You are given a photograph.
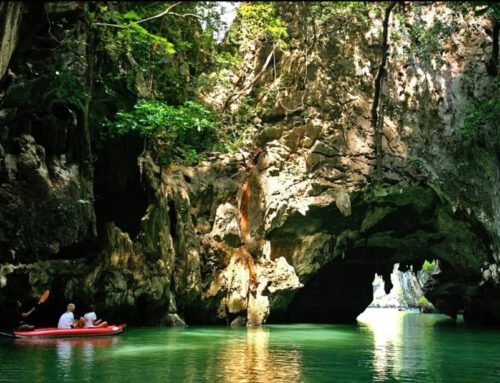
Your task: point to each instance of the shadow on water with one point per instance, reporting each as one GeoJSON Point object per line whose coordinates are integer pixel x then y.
{"type": "Point", "coordinates": [448, 323]}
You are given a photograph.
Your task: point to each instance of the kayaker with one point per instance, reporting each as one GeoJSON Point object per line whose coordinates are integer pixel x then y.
{"type": "Point", "coordinates": [67, 320]}
{"type": "Point", "coordinates": [90, 318]}
{"type": "Point", "coordinates": [22, 325]}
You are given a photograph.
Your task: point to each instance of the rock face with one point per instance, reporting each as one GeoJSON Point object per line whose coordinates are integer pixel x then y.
{"type": "Point", "coordinates": [10, 17]}
{"type": "Point", "coordinates": [407, 291]}
{"type": "Point", "coordinates": [46, 190]}
{"type": "Point", "coordinates": [294, 226]}
{"type": "Point", "coordinates": [340, 206]}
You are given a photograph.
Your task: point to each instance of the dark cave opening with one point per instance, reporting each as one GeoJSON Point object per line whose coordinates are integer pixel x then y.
{"type": "Point", "coordinates": [120, 195]}
{"type": "Point", "coordinates": [345, 288]}
{"type": "Point", "coordinates": [404, 228]}
{"type": "Point", "coordinates": [85, 249]}
{"type": "Point", "coordinates": [337, 294]}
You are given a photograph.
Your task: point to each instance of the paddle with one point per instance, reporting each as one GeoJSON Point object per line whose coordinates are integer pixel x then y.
{"type": "Point", "coordinates": [42, 299]}
{"type": "Point", "coordinates": [44, 296]}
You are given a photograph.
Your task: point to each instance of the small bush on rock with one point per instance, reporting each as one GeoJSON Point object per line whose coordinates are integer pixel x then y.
{"type": "Point", "coordinates": [170, 131]}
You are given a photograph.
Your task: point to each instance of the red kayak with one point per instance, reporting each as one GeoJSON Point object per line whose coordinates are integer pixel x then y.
{"type": "Point", "coordinates": [52, 332]}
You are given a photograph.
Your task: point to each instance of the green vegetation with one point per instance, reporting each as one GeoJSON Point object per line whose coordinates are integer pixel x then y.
{"type": "Point", "coordinates": [184, 131]}
{"type": "Point", "coordinates": [427, 42]}
{"type": "Point", "coordinates": [422, 301]}
{"type": "Point", "coordinates": [149, 58]}
{"type": "Point", "coordinates": [258, 21]}
{"type": "Point", "coordinates": [334, 15]}
{"type": "Point", "coordinates": [481, 117]}
{"type": "Point", "coordinates": [68, 89]}
{"type": "Point", "coordinates": [150, 54]}
{"type": "Point", "coordinates": [429, 266]}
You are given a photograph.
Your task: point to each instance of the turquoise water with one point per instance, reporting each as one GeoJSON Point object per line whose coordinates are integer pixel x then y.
{"type": "Point", "coordinates": [386, 345]}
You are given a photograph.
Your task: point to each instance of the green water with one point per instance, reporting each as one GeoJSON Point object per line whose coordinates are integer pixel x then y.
{"type": "Point", "coordinates": [386, 345]}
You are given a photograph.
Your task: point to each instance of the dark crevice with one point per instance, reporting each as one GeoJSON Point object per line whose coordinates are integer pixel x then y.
{"type": "Point", "coordinates": [57, 132]}
{"type": "Point", "coordinates": [120, 196]}
{"type": "Point", "coordinates": [376, 111]}
{"type": "Point", "coordinates": [492, 65]}
{"type": "Point", "coordinates": [172, 215]}
{"type": "Point", "coordinates": [83, 249]}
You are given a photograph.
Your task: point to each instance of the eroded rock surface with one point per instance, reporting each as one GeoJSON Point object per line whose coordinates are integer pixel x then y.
{"type": "Point", "coordinates": [294, 225]}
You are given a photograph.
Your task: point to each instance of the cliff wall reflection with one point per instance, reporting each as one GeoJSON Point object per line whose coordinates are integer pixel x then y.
{"type": "Point", "coordinates": [386, 345]}
{"type": "Point", "coordinates": [254, 360]}
{"type": "Point", "coordinates": [403, 344]}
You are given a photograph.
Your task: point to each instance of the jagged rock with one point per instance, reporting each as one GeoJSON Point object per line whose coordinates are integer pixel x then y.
{"type": "Point", "coordinates": [269, 133]}
{"type": "Point", "coordinates": [4, 270]}
{"type": "Point", "coordinates": [292, 138]}
{"type": "Point", "coordinates": [343, 202]}
{"type": "Point", "coordinates": [258, 310]}
{"type": "Point", "coordinates": [174, 320]}
{"type": "Point", "coordinates": [407, 290]}
{"type": "Point", "coordinates": [280, 276]}
{"type": "Point", "coordinates": [226, 225]}
{"type": "Point", "coordinates": [239, 321]}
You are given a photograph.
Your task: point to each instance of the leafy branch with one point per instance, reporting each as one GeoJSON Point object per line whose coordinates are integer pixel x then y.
{"type": "Point", "coordinates": [165, 12]}
{"type": "Point", "coordinates": [184, 131]}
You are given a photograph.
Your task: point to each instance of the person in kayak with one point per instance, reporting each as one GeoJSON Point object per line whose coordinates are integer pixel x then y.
{"type": "Point", "coordinates": [22, 325]}
{"type": "Point", "coordinates": [90, 319]}
{"type": "Point", "coordinates": [67, 320]}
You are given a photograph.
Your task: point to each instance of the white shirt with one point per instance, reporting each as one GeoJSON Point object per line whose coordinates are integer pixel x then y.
{"type": "Point", "coordinates": [89, 319]}
{"type": "Point", "coordinates": [66, 320]}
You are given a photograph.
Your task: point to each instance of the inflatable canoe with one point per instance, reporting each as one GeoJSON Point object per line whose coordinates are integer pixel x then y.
{"type": "Point", "coordinates": [52, 332]}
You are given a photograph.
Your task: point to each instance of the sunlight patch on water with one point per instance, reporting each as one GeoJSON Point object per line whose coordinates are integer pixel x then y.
{"type": "Point", "coordinates": [387, 328]}
{"type": "Point", "coordinates": [151, 349]}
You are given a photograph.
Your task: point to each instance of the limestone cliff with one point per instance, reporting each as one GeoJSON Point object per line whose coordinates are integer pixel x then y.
{"type": "Point", "coordinates": [347, 195]}
{"type": "Point", "coordinates": [357, 154]}
{"type": "Point", "coordinates": [46, 173]}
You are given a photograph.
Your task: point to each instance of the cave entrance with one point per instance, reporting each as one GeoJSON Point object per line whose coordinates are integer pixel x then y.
{"type": "Point", "coordinates": [120, 195]}
{"type": "Point", "coordinates": [337, 294]}
{"type": "Point", "coordinates": [343, 289]}
{"type": "Point", "coordinates": [405, 226]}
{"type": "Point", "coordinates": [407, 290]}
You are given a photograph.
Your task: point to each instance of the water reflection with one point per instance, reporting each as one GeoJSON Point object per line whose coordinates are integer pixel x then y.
{"type": "Point", "coordinates": [64, 353]}
{"type": "Point", "coordinates": [386, 346]}
{"type": "Point", "coordinates": [253, 360]}
{"type": "Point", "coordinates": [400, 344]}
{"type": "Point", "coordinates": [67, 351]}
{"type": "Point", "coordinates": [387, 340]}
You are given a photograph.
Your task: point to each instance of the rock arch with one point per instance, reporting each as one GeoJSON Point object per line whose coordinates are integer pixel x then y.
{"type": "Point", "coordinates": [336, 256]}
